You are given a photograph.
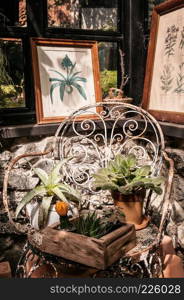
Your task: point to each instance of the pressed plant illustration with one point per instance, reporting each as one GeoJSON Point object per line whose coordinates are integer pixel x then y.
{"type": "Point", "coordinates": [69, 81]}
{"type": "Point", "coordinates": [170, 40]}
{"type": "Point", "coordinates": [181, 45]}
{"type": "Point", "coordinates": [180, 80]}
{"type": "Point", "coordinates": [166, 78]}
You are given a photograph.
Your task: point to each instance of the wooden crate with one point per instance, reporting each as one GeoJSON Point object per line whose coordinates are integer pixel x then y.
{"type": "Point", "coordinates": [97, 253]}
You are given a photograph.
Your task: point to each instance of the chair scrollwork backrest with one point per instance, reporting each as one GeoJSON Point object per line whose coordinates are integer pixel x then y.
{"type": "Point", "coordinates": [105, 130]}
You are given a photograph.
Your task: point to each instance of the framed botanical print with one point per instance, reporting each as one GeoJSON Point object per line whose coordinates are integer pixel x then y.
{"type": "Point", "coordinates": [66, 77]}
{"type": "Point", "coordinates": [163, 93]}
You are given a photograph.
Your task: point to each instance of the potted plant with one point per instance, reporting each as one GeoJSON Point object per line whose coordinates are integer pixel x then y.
{"type": "Point", "coordinates": [45, 195]}
{"type": "Point", "coordinates": [128, 183]}
{"type": "Point", "coordinates": [89, 239]}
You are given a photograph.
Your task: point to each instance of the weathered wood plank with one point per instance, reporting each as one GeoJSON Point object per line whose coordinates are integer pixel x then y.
{"type": "Point", "coordinates": [82, 249]}
{"type": "Point", "coordinates": [121, 252]}
{"type": "Point", "coordinates": [118, 247]}
{"type": "Point", "coordinates": [117, 244]}
{"type": "Point", "coordinates": [75, 247]}
{"type": "Point", "coordinates": [110, 237]}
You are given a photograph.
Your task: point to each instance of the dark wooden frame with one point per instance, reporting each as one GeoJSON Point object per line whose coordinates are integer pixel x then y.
{"type": "Point", "coordinates": [158, 12]}
{"type": "Point", "coordinates": [92, 45]}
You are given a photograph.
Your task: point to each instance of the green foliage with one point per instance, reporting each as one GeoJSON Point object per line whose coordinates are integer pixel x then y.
{"type": "Point", "coordinates": [11, 75]}
{"type": "Point", "coordinates": [10, 97]}
{"type": "Point", "coordinates": [4, 75]}
{"type": "Point", "coordinates": [68, 82]}
{"type": "Point", "coordinates": [123, 175]}
{"type": "Point", "coordinates": [92, 225]}
{"type": "Point", "coordinates": [50, 186]}
{"type": "Point", "coordinates": [108, 79]}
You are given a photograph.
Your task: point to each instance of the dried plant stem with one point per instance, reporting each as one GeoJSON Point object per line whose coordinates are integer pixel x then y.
{"type": "Point", "coordinates": [124, 78]}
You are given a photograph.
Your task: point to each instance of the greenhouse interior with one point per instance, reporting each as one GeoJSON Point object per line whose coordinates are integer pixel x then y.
{"type": "Point", "coordinates": [94, 188]}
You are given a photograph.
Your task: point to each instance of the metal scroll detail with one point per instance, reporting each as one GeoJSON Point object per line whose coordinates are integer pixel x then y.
{"type": "Point", "coordinates": [94, 134]}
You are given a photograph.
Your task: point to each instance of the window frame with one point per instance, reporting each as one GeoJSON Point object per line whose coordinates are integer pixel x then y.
{"type": "Point", "coordinates": [127, 34]}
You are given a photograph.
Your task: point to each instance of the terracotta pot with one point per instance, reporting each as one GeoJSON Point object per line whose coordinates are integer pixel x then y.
{"type": "Point", "coordinates": [132, 207]}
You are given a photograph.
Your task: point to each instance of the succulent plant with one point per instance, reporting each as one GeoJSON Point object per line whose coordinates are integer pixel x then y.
{"type": "Point", "coordinates": [49, 188]}
{"type": "Point", "coordinates": [93, 226]}
{"type": "Point", "coordinates": [122, 174]}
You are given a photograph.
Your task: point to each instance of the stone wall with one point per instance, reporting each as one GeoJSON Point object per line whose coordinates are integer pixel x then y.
{"type": "Point", "coordinates": [21, 180]}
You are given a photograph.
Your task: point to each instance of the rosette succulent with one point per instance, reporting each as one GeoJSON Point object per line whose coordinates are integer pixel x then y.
{"type": "Point", "coordinates": [122, 174]}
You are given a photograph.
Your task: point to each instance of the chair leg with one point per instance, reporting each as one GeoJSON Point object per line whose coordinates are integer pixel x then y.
{"type": "Point", "coordinates": [172, 264]}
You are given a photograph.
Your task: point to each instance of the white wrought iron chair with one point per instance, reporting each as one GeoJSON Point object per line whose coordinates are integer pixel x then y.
{"type": "Point", "coordinates": [93, 135]}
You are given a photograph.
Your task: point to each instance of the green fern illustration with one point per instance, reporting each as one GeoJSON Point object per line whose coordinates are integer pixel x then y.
{"type": "Point", "coordinates": [67, 82]}
{"type": "Point", "coordinates": [180, 80]}
{"type": "Point", "coordinates": [166, 78]}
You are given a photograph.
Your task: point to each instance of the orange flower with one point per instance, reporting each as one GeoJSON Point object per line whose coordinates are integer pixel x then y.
{"type": "Point", "coordinates": [61, 208]}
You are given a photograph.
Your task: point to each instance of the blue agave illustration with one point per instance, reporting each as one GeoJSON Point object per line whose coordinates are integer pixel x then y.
{"type": "Point", "coordinates": [67, 82]}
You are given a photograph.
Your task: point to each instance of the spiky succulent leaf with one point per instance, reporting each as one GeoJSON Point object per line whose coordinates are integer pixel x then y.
{"type": "Point", "coordinates": [42, 175]}
{"type": "Point", "coordinates": [44, 211]}
{"type": "Point", "coordinates": [54, 177]}
{"type": "Point", "coordinates": [70, 192]}
{"type": "Point", "coordinates": [57, 191]}
{"type": "Point", "coordinates": [92, 225]}
{"type": "Point", "coordinates": [50, 187]}
{"type": "Point", "coordinates": [37, 191]}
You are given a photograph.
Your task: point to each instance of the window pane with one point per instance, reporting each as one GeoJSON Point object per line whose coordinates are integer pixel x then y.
{"type": "Point", "coordinates": [13, 13]}
{"type": "Point", "coordinates": [151, 4]}
{"type": "Point", "coordinates": [108, 66]}
{"type": "Point", "coordinates": [84, 14]}
{"type": "Point", "coordinates": [11, 74]}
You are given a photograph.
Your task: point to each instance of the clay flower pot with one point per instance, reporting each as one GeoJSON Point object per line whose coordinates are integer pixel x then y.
{"type": "Point", "coordinates": [132, 207]}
